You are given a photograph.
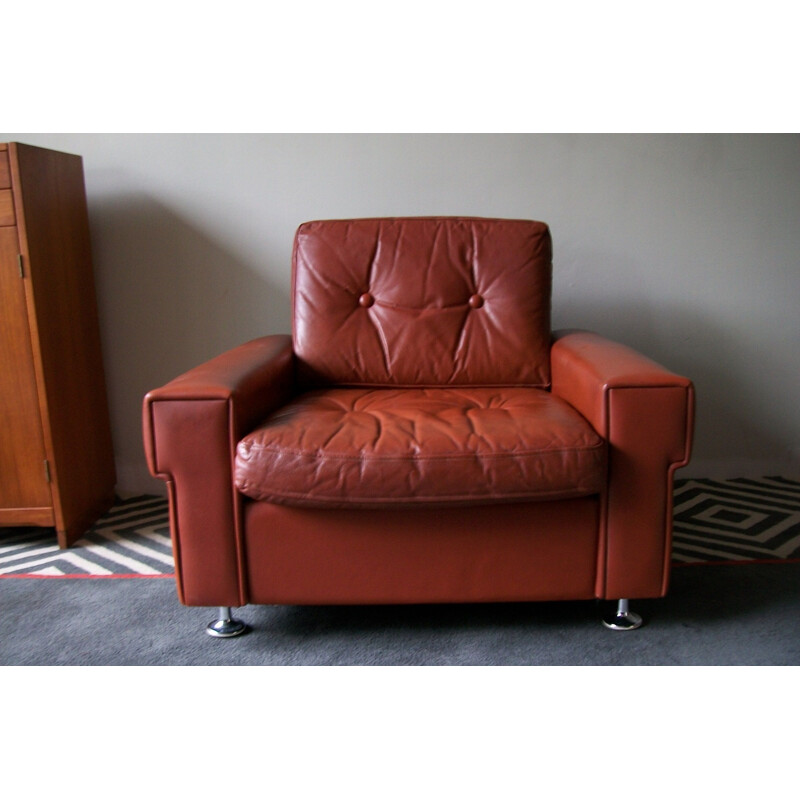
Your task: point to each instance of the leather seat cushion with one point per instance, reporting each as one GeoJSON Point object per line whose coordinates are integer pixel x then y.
{"type": "Point", "coordinates": [359, 447]}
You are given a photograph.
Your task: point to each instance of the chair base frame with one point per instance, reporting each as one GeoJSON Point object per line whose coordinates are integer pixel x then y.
{"type": "Point", "coordinates": [623, 619]}
{"type": "Point", "coordinates": [225, 626]}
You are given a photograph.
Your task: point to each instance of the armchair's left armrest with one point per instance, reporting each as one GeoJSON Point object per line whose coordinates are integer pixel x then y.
{"type": "Point", "coordinates": [645, 413]}
{"type": "Point", "coordinates": [191, 428]}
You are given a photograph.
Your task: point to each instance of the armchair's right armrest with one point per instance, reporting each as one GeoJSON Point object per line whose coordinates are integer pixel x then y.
{"type": "Point", "coordinates": [587, 367]}
{"type": "Point", "coordinates": [645, 413]}
{"type": "Point", "coordinates": [191, 428]}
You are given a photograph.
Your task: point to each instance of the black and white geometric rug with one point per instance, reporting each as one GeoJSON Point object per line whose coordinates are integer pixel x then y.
{"type": "Point", "coordinates": [736, 521]}
{"type": "Point", "coordinates": [715, 522]}
{"type": "Point", "coordinates": [130, 541]}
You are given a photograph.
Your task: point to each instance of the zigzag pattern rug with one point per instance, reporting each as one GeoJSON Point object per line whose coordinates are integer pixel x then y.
{"type": "Point", "coordinates": [131, 540]}
{"type": "Point", "coordinates": [715, 522]}
{"type": "Point", "coordinates": [736, 521]}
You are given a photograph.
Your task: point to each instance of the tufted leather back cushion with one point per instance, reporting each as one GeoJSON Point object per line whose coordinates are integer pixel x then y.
{"type": "Point", "coordinates": [424, 301]}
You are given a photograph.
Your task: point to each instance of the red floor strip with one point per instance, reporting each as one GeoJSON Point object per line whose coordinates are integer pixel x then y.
{"type": "Point", "coordinates": [90, 577]}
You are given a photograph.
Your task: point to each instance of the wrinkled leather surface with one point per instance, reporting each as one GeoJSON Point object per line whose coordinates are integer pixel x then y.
{"type": "Point", "coordinates": [381, 546]}
{"type": "Point", "coordinates": [422, 302]}
{"type": "Point", "coordinates": [367, 447]}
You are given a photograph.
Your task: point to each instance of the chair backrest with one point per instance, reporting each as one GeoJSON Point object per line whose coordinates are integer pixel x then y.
{"type": "Point", "coordinates": [422, 301]}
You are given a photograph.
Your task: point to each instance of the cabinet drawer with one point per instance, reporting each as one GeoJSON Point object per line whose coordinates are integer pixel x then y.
{"type": "Point", "coordinates": [6, 207]}
{"type": "Point", "coordinates": [5, 170]}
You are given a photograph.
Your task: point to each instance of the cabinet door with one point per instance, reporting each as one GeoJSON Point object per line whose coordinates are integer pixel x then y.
{"type": "Point", "coordinates": [23, 481]}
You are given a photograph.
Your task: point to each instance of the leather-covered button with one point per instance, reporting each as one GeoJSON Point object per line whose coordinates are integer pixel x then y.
{"type": "Point", "coordinates": [366, 300]}
{"type": "Point", "coordinates": [476, 301]}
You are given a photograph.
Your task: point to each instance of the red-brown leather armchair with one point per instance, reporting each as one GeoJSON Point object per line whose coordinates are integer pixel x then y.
{"type": "Point", "coordinates": [422, 437]}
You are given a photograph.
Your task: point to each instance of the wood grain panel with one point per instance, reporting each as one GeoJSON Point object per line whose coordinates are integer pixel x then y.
{"type": "Point", "coordinates": [5, 172]}
{"type": "Point", "coordinates": [54, 236]}
{"type": "Point", "coordinates": [6, 207]}
{"type": "Point", "coordinates": [23, 482]}
{"type": "Point", "coordinates": [25, 517]}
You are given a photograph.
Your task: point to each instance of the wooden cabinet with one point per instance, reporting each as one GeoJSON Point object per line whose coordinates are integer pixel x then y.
{"type": "Point", "coordinates": [56, 459]}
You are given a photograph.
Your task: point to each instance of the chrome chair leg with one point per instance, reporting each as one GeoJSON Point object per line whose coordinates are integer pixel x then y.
{"type": "Point", "coordinates": [623, 619]}
{"type": "Point", "coordinates": [225, 625]}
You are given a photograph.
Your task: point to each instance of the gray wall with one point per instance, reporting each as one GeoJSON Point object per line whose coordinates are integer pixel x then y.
{"type": "Point", "coordinates": [684, 246]}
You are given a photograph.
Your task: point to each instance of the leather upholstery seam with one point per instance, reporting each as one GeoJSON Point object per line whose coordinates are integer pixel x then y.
{"type": "Point", "coordinates": [236, 501]}
{"type": "Point", "coordinates": [671, 385]}
{"type": "Point", "coordinates": [452, 385]}
{"type": "Point", "coordinates": [433, 500]}
{"type": "Point", "coordinates": [412, 457]}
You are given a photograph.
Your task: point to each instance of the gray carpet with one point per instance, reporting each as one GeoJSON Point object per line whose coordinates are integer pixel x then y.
{"type": "Point", "coordinates": [713, 615]}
